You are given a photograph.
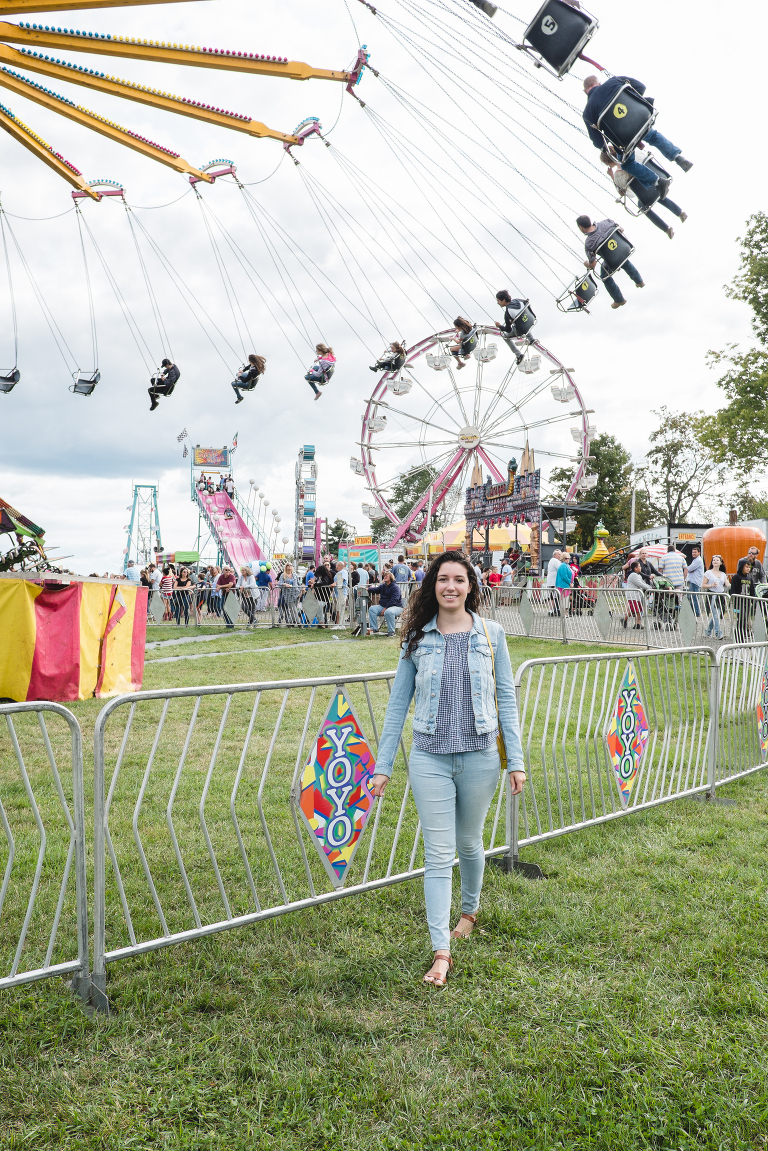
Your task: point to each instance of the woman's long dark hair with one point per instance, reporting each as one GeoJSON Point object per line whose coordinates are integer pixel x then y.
{"type": "Point", "coordinates": [462, 324]}
{"type": "Point", "coordinates": [423, 605]}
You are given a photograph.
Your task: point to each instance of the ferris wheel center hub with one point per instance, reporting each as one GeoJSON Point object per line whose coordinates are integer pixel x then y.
{"type": "Point", "coordinates": [469, 437]}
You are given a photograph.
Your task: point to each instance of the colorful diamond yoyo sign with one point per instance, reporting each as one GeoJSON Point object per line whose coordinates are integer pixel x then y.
{"type": "Point", "coordinates": [762, 713]}
{"type": "Point", "coordinates": [333, 792]}
{"type": "Point", "coordinates": [627, 735]}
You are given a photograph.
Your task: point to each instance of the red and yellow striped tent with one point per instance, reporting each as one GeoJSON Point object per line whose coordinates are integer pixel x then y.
{"type": "Point", "coordinates": [70, 641]}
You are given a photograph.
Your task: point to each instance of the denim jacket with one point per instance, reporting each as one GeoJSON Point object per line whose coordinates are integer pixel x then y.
{"type": "Point", "coordinates": [421, 673]}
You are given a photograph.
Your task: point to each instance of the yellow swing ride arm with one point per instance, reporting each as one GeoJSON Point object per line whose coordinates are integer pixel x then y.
{"type": "Point", "coordinates": [24, 135]}
{"type": "Point", "coordinates": [88, 119]}
{"type": "Point", "coordinates": [135, 48]}
{"type": "Point", "coordinates": [114, 86]}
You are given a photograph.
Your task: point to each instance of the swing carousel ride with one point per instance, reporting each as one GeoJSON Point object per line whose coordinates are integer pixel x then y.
{"type": "Point", "coordinates": [462, 173]}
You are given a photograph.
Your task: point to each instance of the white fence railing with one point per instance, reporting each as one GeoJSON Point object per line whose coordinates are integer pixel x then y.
{"type": "Point", "coordinates": [43, 901]}
{"type": "Point", "coordinates": [216, 807]}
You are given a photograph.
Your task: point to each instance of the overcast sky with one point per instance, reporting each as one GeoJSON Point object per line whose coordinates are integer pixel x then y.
{"type": "Point", "coordinates": [360, 244]}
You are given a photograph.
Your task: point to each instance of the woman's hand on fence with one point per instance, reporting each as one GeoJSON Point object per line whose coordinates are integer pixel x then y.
{"type": "Point", "coordinates": [378, 784]}
{"type": "Point", "coordinates": [516, 781]}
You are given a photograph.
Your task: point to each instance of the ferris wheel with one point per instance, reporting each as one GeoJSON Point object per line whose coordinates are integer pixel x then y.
{"type": "Point", "coordinates": [457, 421]}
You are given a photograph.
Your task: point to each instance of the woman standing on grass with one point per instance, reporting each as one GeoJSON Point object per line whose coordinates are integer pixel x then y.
{"type": "Point", "coordinates": [448, 658]}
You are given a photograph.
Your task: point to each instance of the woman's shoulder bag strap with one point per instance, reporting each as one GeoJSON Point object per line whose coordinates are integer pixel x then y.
{"type": "Point", "coordinates": [499, 738]}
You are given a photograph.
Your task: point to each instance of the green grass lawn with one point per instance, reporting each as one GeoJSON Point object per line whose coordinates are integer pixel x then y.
{"type": "Point", "coordinates": [621, 1003]}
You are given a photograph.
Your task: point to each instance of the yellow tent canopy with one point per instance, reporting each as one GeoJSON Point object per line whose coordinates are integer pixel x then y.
{"type": "Point", "coordinates": [453, 537]}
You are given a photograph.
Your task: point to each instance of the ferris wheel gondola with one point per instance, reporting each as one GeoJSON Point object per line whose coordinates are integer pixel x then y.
{"type": "Point", "coordinates": [447, 426]}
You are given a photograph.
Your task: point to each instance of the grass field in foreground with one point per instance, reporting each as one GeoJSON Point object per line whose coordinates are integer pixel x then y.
{"type": "Point", "coordinates": [619, 1004]}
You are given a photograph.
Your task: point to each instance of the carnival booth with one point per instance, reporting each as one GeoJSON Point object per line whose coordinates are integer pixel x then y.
{"type": "Point", "coordinates": [63, 639]}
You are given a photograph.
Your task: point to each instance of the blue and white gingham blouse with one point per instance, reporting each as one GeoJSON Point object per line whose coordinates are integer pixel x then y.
{"type": "Point", "coordinates": [455, 724]}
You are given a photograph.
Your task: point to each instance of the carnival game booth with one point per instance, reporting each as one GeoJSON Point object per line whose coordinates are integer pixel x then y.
{"type": "Point", "coordinates": [64, 638]}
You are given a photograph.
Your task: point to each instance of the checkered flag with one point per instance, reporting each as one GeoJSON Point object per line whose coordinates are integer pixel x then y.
{"type": "Point", "coordinates": [186, 452]}
{"type": "Point", "coordinates": [183, 435]}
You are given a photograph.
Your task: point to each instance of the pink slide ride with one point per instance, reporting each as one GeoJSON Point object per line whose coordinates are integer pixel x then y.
{"type": "Point", "coordinates": [233, 534]}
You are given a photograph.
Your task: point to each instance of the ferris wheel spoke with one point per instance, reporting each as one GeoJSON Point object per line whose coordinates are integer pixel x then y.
{"type": "Point", "coordinates": [418, 419]}
{"type": "Point", "coordinates": [521, 447]}
{"type": "Point", "coordinates": [456, 391]}
{"type": "Point", "coordinates": [516, 406]}
{"type": "Point", "coordinates": [511, 370]}
{"type": "Point", "coordinates": [526, 427]}
{"type": "Point", "coordinates": [433, 463]}
{"type": "Point", "coordinates": [435, 402]}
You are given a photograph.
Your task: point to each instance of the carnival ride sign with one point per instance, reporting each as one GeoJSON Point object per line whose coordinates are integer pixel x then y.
{"type": "Point", "coordinates": [627, 735]}
{"type": "Point", "coordinates": [333, 792]}
{"type": "Point", "coordinates": [210, 457]}
{"type": "Point", "coordinates": [492, 501]}
{"type": "Point", "coordinates": [762, 713]}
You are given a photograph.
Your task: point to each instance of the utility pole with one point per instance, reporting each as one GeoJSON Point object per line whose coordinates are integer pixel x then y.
{"type": "Point", "coordinates": [632, 513]}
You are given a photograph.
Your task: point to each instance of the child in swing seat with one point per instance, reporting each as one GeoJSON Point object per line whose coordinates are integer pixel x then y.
{"type": "Point", "coordinates": [322, 369]}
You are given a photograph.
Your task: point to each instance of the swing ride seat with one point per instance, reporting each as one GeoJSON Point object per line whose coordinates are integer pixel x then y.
{"type": "Point", "coordinates": [558, 33]}
{"type": "Point", "coordinates": [614, 251]}
{"type": "Point", "coordinates": [486, 354]}
{"type": "Point", "coordinates": [581, 291]}
{"type": "Point", "coordinates": [524, 319]}
{"type": "Point", "coordinates": [626, 119]}
{"type": "Point", "coordinates": [644, 197]}
{"type": "Point", "coordinates": [9, 380]}
{"type": "Point", "coordinates": [85, 383]}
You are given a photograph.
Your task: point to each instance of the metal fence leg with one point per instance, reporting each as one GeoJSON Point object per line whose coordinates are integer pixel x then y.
{"type": "Point", "coordinates": [713, 741]}
{"type": "Point", "coordinates": [511, 861]}
{"type": "Point", "coordinates": [645, 620]}
{"type": "Point", "coordinates": [98, 996]}
{"type": "Point", "coordinates": [562, 604]}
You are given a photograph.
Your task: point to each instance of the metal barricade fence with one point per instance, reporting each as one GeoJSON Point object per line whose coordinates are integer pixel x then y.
{"type": "Point", "coordinates": [200, 811]}
{"type": "Point", "coordinates": [606, 735]}
{"type": "Point", "coordinates": [624, 617]}
{"type": "Point", "coordinates": [43, 921]}
{"type": "Point", "coordinates": [740, 743]}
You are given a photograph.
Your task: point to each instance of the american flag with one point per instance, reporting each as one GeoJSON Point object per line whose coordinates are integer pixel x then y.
{"type": "Point", "coordinates": [182, 435]}
{"type": "Point", "coordinates": [234, 443]}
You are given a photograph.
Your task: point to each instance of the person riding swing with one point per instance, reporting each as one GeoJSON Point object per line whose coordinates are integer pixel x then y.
{"type": "Point", "coordinates": [392, 361]}
{"type": "Point", "coordinates": [466, 340]}
{"type": "Point", "coordinates": [248, 376]}
{"type": "Point", "coordinates": [322, 369]}
{"type": "Point", "coordinates": [163, 382]}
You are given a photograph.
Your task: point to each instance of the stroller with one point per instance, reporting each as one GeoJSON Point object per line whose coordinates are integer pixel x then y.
{"type": "Point", "coordinates": [665, 605]}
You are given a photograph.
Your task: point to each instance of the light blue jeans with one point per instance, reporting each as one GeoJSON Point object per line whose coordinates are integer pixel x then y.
{"type": "Point", "coordinates": [640, 171]}
{"type": "Point", "coordinates": [390, 616]}
{"type": "Point", "coordinates": [452, 794]}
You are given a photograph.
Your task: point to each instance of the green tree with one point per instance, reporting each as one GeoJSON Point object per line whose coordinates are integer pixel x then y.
{"type": "Point", "coordinates": [681, 473]}
{"type": "Point", "coordinates": [406, 490]}
{"type": "Point", "coordinates": [339, 530]}
{"type": "Point", "coordinates": [612, 464]}
{"type": "Point", "coordinates": [738, 433]}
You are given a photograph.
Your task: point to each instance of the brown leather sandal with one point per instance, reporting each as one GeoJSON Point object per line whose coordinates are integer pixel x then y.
{"type": "Point", "coordinates": [435, 978]}
{"type": "Point", "coordinates": [460, 932]}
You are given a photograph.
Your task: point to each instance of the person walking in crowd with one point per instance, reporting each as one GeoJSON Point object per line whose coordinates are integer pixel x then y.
{"type": "Point", "coordinates": [390, 604]}
{"type": "Point", "coordinates": [289, 596]}
{"type": "Point", "coordinates": [132, 572]}
{"type": "Point", "coordinates": [695, 577]}
{"type": "Point", "coordinates": [401, 571]}
{"type": "Point", "coordinates": [264, 584]}
{"type": "Point", "coordinates": [340, 587]}
{"type": "Point", "coordinates": [716, 583]}
{"type": "Point", "coordinates": [458, 667]}
{"type": "Point", "coordinates": [596, 235]}
{"type": "Point", "coordinates": [182, 596]}
{"type": "Point", "coordinates": [246, 586]}
{"type": "Point", "coordinates": [635, 585]}
{"type": "Point", "coordinates": [564, 580]}
{"type": "Point", "coordinates": [743, 606]}
{"type": "Point", "coordinates": [599, 96]}
{"type": "Point", "coordinates": [757, 573]}
{"type": "Point", "coordinates": [224, 585]}
{"type": "Point", "coordinates": [674, 568]}
{"type": "Point", "coordinates": [552, 569]}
